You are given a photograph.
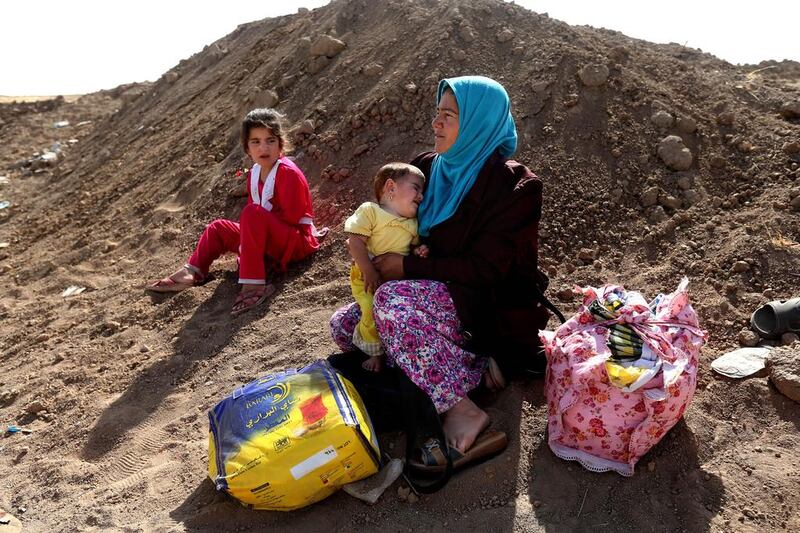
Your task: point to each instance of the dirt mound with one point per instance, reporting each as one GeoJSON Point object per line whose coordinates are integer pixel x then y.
{"type": "Point", "coordinates": [115, 384]}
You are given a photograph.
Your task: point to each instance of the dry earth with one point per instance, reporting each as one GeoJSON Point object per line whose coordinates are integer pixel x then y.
{"type": "Point", "coordinates": [115, 384]}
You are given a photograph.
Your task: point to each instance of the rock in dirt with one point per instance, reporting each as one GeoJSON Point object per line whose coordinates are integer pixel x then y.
{"type": "Point", "coordinates": [649, 197]}
{"type": "Point", "coordinates": [327, 46]}
{"type": "Point", "coordinates": [35, 407]}
{"type": "Point", "coordinates": [784, 370]}
{"type": "Point", "coordinates": [566, 295]}
{"type": "Point", "coordinates": [787, 339]}
{"type": "Point", "coordinates": [790, 109]}
{"type": "Point", "coordinates": [674, 154]}
{"type": "Point", "coordinates": [505, 35]}
{"type": "Point", "coordinates": [686, 125]}
{"type": "Point", "coordinates": [593, 75]}
{"type": "Point", "coordinates": [741, 266]}
{"type": "Point", "coordinates": [265, 98]}
{"type": "Point", "coordinates": [748, 338]}
{"type": "Point", "coordinates": [662, 119]}
{"type": "Point", "coordinates": [7, 397]}
{"type": "Point", "coordinates": [791, 147]}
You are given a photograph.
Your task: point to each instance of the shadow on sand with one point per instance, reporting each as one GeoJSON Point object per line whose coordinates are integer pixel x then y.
{"type": "Point", "coordinates": [208, 331]}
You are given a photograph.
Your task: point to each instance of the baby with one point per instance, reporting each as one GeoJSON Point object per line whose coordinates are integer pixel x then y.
{"type": "Point", "coordinates": [375, 229]}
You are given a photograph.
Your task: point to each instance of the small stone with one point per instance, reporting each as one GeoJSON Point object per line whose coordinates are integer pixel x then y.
{"type": "Point", "coordinates": [658, 215]}
{"type": "Point", "coordinates": [373, 70]}
{"type": "Point", "coordinates": [144, 348]}
{"type": "Point", "coordinates": [35, 407]}
{"type": "Point", "coordinates": [263, 98]}
{"type": "Point", "coordinates": [465, 32]}
{"type": "Point", "coordinates": [717, 161]}
{"type": "Point", "coordinates": [505, 35]}
{"type": "Point", "coordinates": [790, 109]}
{"type": "Point", "coordinates": [565, 295]}
{"type": "Point", "coordinates": [787, 339]}
{"type": "Point", "coordinates": [741, 266]}
{"type": "Point", "coordinates": [22, 453]}
{"type": "Point", "coordinates": [674, 154]}
{"type": "Point", "coordinates": [795, 203]}
{"type": "Point", "coordinates": [651, 466]}
{"type": "Point", "coordinates": [403, 492]}
{"type": "Point", "coordinates": [306, 127]}
{"type": "Point", "coordinates": [413, 498]}
{"type": "Point", "coordinates": [686, 124]}
{"type": "Point", "coordinates": [726, 118]}
{"type": "Point", "coordinates": [317, 63]}
{"type": "Point", "coordinates": [662, 119]}
{"type": "Point", "coordinates": [791, 147]}
{"type": "Point", "coordinates": [7, 397]}
{"type": "Point", "coordinates": [748, 338]}
{"type": "Point", "coordinates": [649, 197]}
{"type": "Point", "coordinates": [587, 255]}
{"type": "Point", "coordinates": [327, 46]}
{"type": "Point", "coordinates": [594, 74]}
{"type": "Point", "coordinates": [669, 201]}
{"type": "Point", "coordinates": [537, 503]}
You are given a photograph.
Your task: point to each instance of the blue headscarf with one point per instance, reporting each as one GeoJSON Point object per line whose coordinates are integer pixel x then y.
{"type": "Point", "coordinates": [484, 125]}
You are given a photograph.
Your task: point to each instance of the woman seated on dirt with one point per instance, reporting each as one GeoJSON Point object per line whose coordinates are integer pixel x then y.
{"type": "Point", "coordinates": [469, 311]}
{"type": "Point", "coordinates": [275, 226]}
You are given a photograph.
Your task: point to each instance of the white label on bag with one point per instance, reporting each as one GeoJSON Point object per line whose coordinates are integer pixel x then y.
{"type": "Point", "coordinates": [312, 463]}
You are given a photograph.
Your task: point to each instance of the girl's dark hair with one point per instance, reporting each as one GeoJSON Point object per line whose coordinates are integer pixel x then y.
{"type": "Point", "coordinates": [266, 118]}
{"type": "Point", "coordinates": [393, 171]}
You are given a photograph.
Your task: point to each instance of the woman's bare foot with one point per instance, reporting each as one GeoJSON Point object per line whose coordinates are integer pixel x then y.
{"type": "Point", "coordinates": [463, 423]}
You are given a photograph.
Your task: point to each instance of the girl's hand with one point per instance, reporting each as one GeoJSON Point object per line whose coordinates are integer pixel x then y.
{"type": "Point", "coordinates": [372, 280]}
{"type": "Point", "coordinates": [422, 251]}
{"type": "Point", "coordinates": [389, 266]}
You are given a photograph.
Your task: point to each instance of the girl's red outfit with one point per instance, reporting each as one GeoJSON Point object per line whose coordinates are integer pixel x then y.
{"type": "Point", "coordinates": [276, 223]}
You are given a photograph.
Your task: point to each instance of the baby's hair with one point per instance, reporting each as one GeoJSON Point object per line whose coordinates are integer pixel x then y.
{"type": "Point", "coordinates": [396, 172]}
{"type": "Point", "coordinates": [265, 118]}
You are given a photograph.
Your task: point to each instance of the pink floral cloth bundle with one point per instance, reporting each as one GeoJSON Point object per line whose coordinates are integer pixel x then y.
{"type": "Point", "coordinates": [608, 427]}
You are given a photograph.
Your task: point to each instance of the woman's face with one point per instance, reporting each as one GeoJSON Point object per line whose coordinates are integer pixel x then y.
{"type": "Point", "coordinates": [445, 123]}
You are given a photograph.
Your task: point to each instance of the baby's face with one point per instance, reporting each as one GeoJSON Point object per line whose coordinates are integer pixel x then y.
{"type": "Point", "coordinates": [405, 195]}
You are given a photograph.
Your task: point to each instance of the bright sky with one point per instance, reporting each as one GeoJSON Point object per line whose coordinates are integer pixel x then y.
{"type": "Point", "coordinates": [52, 47]}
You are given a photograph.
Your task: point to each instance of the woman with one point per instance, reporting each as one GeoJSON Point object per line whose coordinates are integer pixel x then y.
{"type": "Point", "coordinates": [477, 294]}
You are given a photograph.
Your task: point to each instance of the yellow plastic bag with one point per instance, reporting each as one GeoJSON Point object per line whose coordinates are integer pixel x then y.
{"type": "Point", "coordinates": [291, 439]}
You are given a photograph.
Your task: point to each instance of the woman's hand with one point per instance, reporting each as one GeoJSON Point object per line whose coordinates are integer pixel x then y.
{"type": "Point", "coordinates": [390, 266]}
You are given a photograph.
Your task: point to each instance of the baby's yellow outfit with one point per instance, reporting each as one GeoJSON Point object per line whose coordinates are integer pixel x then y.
{"type": "Point", "coordinates": [386, 233]}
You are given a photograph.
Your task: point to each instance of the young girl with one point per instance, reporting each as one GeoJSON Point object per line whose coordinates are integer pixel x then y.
{"type": "Point", "coordinates": [275, 225]}
{"type": "Point", "coordinates": [375, 229]}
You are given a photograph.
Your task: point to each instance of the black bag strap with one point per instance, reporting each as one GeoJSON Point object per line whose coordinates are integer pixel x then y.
{"type": "Point", "coordinates": [418, 410]}
{"type": "Point", "coordinates": [548, 304]}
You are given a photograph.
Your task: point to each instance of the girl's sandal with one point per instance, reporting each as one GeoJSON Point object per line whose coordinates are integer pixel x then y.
{"type": "Point", "coordinates": [170, 285]}
{"type": "Point", "coordinates": [247, 300]}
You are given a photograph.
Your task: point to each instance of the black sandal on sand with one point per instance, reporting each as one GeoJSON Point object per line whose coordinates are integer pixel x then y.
{"type": "Point", "coordinates": [775, 318]}
{"type": "Point", "coordinates": [432, 459]}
